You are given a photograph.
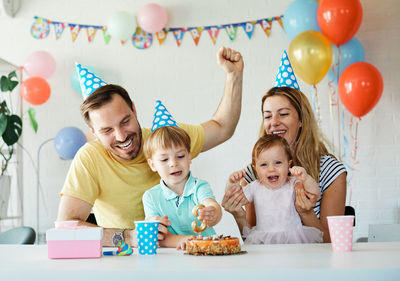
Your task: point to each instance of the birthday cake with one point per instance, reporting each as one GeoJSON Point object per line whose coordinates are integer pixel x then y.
{"type": "Point", "coordinates": [213, 245]}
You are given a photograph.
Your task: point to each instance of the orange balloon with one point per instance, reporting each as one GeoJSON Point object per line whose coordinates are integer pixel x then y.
{"type": "Point", "coordinates": [339, 20]}
{"type": "Point", "coordinates": [311, 55]}
{"type": "Point", "coordinates": [360, 88]}
{"type": "Point", "coordinates": [35, 90]}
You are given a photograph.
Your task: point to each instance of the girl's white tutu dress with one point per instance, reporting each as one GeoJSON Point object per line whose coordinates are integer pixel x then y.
{"type": "Point", "coordinates": [277, 219]}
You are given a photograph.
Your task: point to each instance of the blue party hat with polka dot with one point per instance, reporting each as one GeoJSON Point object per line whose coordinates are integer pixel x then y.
{"type": "Point", "coordinates": [285, 76]}
{"type": "Point", "coordinates": [162, 117]}
{"type": "Point", "coordinates": [88, 81]}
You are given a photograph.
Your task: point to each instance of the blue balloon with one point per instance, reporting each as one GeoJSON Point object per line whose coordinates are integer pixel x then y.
{"type": "Point", "coordinates": [68, 141]}
{"type": "Point", "coordinates": [74, 79]}
{"type": "Point", "coordinates": [350, 52]}
{"type": "Point", "coordinates": [301, 15]}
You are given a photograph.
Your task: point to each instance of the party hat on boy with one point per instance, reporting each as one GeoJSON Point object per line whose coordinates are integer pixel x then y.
{"type": "Point", "coordinates": [88, 81]}
{"type": "Point", "coordinates": [162, 117]}
{"type": "Point", "coordinates": [285, 76]}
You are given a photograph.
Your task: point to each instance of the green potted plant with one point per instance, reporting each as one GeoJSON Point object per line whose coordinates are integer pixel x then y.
{"type": "Point", "coordinates": [10, 123]}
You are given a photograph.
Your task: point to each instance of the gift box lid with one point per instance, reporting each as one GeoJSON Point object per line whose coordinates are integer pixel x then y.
{"type": "Point", "coordinates": [82, 233]}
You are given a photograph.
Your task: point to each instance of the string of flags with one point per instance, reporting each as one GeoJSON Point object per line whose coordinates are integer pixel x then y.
{"type": "Point", "coordinates": [41, 27]}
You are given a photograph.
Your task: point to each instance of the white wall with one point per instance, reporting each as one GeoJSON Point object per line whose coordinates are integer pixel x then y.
{"type": "Point", "coordinates": [190, 83]}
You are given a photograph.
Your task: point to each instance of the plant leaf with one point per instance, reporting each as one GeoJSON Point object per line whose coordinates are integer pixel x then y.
{"type": "Point", "coordinates": [12, 83]}
{"type": "Point", "coordinates": [11, 75]}
{"type": "Point", "coordinates": [13, 130]}
{"type": "Point", "coordinates": [34, 124]}
{"type": "Point", "coordinates": [3, 123]}
{"type": "Point", "coordinates": [4, 84]}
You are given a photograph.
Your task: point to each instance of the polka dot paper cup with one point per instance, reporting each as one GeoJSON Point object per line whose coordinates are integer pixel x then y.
{"type": "Point", "coordinates": [341, 232]}
{"type": "Point", "coordinates": [147, 232]}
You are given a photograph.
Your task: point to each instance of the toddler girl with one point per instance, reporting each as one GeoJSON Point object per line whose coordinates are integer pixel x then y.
{"type": "Point", "coordinates": [274, 193]}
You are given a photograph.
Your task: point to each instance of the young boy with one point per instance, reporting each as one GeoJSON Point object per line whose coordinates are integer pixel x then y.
{"type": "Point", "coordinates": [167, 150]}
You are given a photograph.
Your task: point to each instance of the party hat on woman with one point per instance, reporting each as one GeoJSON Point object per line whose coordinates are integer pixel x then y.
{"type": "Point", "coordinates": [285, 76]}
{"type": "Point", "coordinates": [88, 81]}
{"type": "Point", "coordinates": [162, 117]}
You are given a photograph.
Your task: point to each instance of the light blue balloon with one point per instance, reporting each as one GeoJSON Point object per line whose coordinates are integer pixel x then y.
{"type": "Point", "coordinates": [301, 15]}
{"type": "Point", "coordinates": [68, 141]}
{"type": "Point", "coordinates": [350, 52]}
{"type": "Point", "coordinates": [74, 79]}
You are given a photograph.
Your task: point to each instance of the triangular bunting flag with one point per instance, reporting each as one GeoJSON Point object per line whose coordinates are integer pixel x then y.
{"type": "Point", "coordinates": [213, 32]}
{"type": "Point", "coordinates": [106, 36]}
{"type": "Point", "coordinates": [196, 33]}
{"type": "Point", "coordinates": [161, 35]}
{"type": "Point", "coordinates": [178, 34]}
{"type": "Point", "coordinates": [58, 29]}
{"type": "Point", "coordinates": [248, 27]}
{"type": "Point", "coordinates": [279, 19]}
{"type": "Point", "coordinates": [75, 28]}
{"type": "Point", "coordinates": [90, 32]}
{"type": "Point", "coordinates": [231, 31]}
{"type": "Point", "coordinates": [266, 26]}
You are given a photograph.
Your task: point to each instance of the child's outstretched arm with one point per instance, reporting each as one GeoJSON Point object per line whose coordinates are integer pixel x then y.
{"type": "Point", "coordinates": [175, 241]}
{"type": "Point", "coordinates": [309, 183]}
{"type": "Point", "coordinates": [212, 213]}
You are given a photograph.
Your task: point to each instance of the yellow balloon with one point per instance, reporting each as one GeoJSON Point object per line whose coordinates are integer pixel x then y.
{"type": "Point", "coordinates": [311, 55]}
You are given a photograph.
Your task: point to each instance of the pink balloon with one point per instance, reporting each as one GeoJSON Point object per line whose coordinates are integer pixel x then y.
{"type": "Point", "coordinates": [152, 18]}
{"type": "Point", "coordinates": [40, 64]}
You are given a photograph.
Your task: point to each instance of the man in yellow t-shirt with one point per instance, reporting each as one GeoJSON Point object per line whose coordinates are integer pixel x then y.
{"type": "Point", "coordinates": [111, 173]}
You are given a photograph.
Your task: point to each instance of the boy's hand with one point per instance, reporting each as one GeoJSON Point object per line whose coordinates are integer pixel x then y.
{"type": "Point", "coordinates": [208, 215]}
{"type": "Point", "coordinates": [235, 179]}
{"type": "Point", "coordinates": [299, 173]}
{"type": "Point", "coordinates": [163, 227]}
{"type": "Point", "coordinates": [183, 242]}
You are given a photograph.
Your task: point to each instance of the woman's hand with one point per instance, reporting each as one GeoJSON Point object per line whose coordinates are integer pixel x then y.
{"type": "Point", "coordinates": [233, 201]}
{"type": "Point", "coordinates": [305, 201]}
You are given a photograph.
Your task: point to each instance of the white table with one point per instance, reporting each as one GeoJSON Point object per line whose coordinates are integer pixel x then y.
{"type": "Point", "coordinates": [368, 261]}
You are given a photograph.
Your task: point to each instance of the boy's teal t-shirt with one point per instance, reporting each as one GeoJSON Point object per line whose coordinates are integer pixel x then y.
{"type": "Point", "coordinates": [162, 201]}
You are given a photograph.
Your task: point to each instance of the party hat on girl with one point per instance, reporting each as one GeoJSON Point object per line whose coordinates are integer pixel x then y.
{"type": "Point", "coordinates": [162, 117]}
{"type": "Point", "coordinates": [285, 76]}
{"type": "Point", "coordinates": [88, 81]}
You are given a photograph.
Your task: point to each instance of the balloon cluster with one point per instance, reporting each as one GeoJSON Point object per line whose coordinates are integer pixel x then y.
{"type": "Point", "coordinates": [39, 66]}
{"type": "Point", "coordinates": [322, 40]}
{"type": "Point", "coordinates": [151, 18]}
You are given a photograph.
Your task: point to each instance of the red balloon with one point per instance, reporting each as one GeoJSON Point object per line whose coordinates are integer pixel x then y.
{"type": "Point", "coordinates": [339, 20]}
{"type": "Point", "coordinates": [35, 90]}
{"type": "Point", "coordinates": [360, 88]}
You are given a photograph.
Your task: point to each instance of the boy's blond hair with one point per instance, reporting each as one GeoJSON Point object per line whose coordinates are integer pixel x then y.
{"type": "Point", "coordinates": [164, 138]}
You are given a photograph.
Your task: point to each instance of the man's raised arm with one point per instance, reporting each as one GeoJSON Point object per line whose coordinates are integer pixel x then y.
{"type": "Point", "coordinates": [223, 123]}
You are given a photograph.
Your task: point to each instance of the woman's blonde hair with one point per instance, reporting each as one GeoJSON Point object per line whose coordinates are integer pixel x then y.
{"type": "Point", "coordinates": [309, 145]}
{"type": "Point", "coordinates": [164, 138]}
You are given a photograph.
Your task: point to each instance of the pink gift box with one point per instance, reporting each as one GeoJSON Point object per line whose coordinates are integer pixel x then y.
{"type": "Point", "coordinates": [77, 243]}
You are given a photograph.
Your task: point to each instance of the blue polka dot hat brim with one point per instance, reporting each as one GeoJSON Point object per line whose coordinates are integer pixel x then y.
{"type": "Point", "coordinates": [162, 117]}
{"type": "Point", "coordinates": [285, 76]}
{"type": "Point", "coordinates": [88, 81]}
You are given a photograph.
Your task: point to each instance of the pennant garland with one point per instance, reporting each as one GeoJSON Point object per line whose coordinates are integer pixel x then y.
{"type": "Point", "coordinates": [40, 29]}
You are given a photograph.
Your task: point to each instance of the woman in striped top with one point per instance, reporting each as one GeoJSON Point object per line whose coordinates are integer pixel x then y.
{"type": "Point", "coordinates": [287, 113]}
